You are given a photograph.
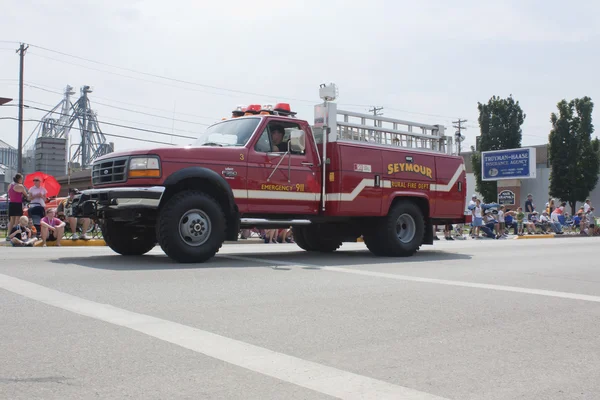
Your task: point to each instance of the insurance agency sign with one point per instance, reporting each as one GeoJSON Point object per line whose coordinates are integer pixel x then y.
{"type": "Point", "coordinates": [508, 164]}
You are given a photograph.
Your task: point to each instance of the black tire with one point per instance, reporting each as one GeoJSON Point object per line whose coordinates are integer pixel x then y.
{"type": "Point", "coordinates": [298, 233]}
{"type": "Point", "coordinates": [384, 239]}
{"type": "Point", "coordinates": [313, 238]}
{"type": "Point", "coordinates": [191, 227]}
{"type": "Point", "coordinates": [125, 241]}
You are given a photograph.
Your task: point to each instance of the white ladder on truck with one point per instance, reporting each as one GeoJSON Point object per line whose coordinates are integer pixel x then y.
{"type": "Point", "coordinates": [353, 126]}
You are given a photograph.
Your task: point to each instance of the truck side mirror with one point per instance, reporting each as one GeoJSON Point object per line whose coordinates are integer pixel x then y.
{"type": "Point", "coordinates": [297, 141]}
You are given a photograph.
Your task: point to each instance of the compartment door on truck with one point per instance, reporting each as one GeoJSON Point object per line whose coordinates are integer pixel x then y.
{"type": "Point", "coordinates": [293, 187]}
{"type": "Point", "coordinates": [357, 186]}
{"type": "Point", "coordinates": [450, 190]}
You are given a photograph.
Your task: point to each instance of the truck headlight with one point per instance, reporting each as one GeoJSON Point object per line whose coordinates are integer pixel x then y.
{"type": "Point", "coordinates": [144, 167]}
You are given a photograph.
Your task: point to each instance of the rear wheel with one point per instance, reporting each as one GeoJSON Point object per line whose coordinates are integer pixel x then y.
{"type": "Point", "coordinates": [399, 234]}
{"type": "Point", "coordinates": [126, 240]}
{"type": "Point", "coordinates": [316, 238]}
{"type": "Point", "coordinates": [191, 227]}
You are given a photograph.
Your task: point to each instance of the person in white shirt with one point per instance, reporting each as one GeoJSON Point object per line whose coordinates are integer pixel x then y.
{"type": "Point", "coordinates": [501, 221]}
{"type": "Point", "coordinates": [477, 220]}
{"type": "Point", "coordinates": [37, 202]}
{"type": "Point", "coordinates": [473, 202]}
{"type": "Point", "coordinates": [472, 205]}
{"type": "Point", "coordinates": [586, 206]}
{"type": "Point", "coordinates": [544, 221]}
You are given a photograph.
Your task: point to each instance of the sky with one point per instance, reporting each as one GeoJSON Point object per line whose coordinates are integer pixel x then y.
{"type": "Point", "coordinates": [422, 61]}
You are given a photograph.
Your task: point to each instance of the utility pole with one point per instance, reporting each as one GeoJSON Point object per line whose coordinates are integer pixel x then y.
{"type": "Point", "coordinates": [459, 125]}
{"type": "Point", "coordinates": [375, 110]}
{"type": "Point", "coordinates": [21, 52]}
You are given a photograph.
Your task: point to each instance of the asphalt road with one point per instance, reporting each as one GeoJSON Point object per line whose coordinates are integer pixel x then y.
{"type": "Point", "coordinates": [460, 320]}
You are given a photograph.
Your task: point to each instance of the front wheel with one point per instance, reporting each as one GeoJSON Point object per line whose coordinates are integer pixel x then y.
{"type": "Point", "coordinates": [399, 234]}
{"type": "Point", "coordinates": [191, 227]}
{"type": "Point", "coordinates": [127, 241]}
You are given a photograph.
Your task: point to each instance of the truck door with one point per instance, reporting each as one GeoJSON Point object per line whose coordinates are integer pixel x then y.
{"type": "Point", "coordinates": [280, 183]}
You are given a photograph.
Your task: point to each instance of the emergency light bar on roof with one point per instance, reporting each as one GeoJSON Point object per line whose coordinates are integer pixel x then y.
{"type": "Point", "coordinates": [282, 109]}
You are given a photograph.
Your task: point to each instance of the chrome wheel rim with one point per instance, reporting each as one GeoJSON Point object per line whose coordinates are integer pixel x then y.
{"type": "Point", "coordinates": [194, 227]}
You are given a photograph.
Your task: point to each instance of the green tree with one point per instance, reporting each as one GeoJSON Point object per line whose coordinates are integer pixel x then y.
{"type": "Point", "coordinates": [500, 123]}
{"type": "Point", "coordinates": [574, 157]}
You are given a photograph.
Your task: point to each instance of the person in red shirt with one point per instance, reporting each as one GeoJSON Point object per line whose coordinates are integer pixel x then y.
{"type": "Point", "coordinates": [52, 228]}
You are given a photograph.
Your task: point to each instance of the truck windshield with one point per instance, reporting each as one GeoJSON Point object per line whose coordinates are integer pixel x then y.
{"type": "Point", "coordinates": [234, 132]}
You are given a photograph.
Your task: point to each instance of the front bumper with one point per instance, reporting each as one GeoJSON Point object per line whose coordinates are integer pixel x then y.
{"type": "Point", "coordinates": [91, 203]}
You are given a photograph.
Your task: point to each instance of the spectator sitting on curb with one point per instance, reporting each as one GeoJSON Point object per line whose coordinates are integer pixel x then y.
{"type": "Point", "coordinates": [64, 208]}
{"type": "Point", "coordinates": [544, 222]}
{"type": "Point", "coordinates": [53, 228]}
{"type": "Point", "coordinates": [32, 228]}
{"type": "Point", "coordinates": [20, 234]}
{"type": "Point", "coordinates": [492, 225]}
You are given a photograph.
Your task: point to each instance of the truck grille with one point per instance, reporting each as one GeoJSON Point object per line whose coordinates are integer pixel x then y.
{"type": "Point", "coordinates": [109, 171]}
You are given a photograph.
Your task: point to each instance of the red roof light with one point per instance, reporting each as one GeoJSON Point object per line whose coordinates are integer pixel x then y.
{"type": "Point", "coordinates": [283, 107]}
{"type": "Point", "coordinates": [254, 108]}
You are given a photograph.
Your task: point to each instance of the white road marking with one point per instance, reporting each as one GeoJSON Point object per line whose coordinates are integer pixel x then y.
{"type": "Point", "coordinates": [515, 289]}
{"type": "Point", "coordinates": [320, 378]}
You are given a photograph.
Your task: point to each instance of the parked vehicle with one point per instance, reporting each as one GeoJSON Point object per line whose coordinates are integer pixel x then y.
{"type": "Point", "coordinates": [386, 180]}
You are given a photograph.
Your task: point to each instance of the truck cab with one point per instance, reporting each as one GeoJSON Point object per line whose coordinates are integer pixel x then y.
{"type": "Point", "coordinates": [263, 167]}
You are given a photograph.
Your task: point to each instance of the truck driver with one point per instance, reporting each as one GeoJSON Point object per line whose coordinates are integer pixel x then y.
{"type": "Point", "coordinates": [277, 138]}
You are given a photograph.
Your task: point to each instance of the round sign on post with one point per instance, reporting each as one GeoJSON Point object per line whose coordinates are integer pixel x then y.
{"type": "Point", "coordinates": [506, 198]}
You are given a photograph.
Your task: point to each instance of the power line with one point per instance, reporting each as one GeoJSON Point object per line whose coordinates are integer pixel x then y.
{"type": "Point", "coordinates": [233, 94]}
{"type": "Point", "coordinates": [126, 76]}
{"type": "Point", "coordinates": [47, 88]}
{"type": "Point", "coordinates": [186, 82]}
{"type": "Point", "coordinates": [152, 115]}
{"type": "Point", "coordinates": [129, 109]}
{"type": "Point", "coordinates": [41, 88]}
{"type": "Point", "coordinates": [123, 120]}
{"type": "Point", "coordinates": [196, 83]}
{"type": "Point", "coordinates": [168, 78]}
{"type": "Point", "coordinates": [199, 84]}
{"type": "Point", "coordinates": [105, 134]}
{"type": "Point", "coordinates": [119, 125]}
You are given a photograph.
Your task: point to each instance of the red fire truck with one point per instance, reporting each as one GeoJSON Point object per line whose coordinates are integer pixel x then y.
{"type": "Point", "coordinates": [349, 175]}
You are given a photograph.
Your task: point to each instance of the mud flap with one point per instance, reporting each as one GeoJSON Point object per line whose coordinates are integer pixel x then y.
{"type": "Point", "coordinates": [428, 239]}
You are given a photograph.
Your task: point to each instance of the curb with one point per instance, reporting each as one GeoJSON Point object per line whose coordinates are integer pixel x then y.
{"type": "Point", "coordinates": [534, 237]}
{"type": "Point", "coordinates": [576, 235]}
{"type": "Point", "coordinates": [74, 243]}
{"type": "Point", "coordinates": [244, 241]}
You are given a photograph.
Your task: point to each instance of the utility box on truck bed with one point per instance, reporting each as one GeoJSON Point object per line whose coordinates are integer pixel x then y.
{"type": "Point", "coordinates": [349, 175]}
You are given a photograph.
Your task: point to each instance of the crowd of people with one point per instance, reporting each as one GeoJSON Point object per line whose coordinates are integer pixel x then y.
{"type": "Point", "coordinates": [492, 221]}
{"type": "Point", "coordinates": [41, 224]}
{"type": "Point", "coordinates": [269, 235]}
{"type": "Point", "coordinates": [495, 221]}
